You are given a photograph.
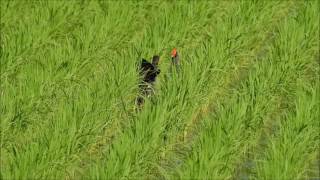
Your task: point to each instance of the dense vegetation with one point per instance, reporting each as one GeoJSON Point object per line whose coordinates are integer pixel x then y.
{"type": "Point", "coordinates": [244, 105]}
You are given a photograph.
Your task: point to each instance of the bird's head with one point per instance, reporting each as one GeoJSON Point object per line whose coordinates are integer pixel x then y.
{"type": "Point", "coordinates": [175, 57]}
{"type": "Point", "coordinates": [174, 53]}
{"type": "Point", "coordinates": [155, 60]}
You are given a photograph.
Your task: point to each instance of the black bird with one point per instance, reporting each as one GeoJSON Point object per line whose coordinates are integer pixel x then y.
{"type": "Point", "coordinates": [175, 60]}
{"type": "Point", "coordinates": [148, 72]}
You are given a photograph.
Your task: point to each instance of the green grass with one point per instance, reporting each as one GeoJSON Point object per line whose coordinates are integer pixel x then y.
{"type": "Point", "coordinates": [244, 106]}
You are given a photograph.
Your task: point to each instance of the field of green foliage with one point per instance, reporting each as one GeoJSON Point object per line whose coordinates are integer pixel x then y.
{"type": "Point", "coordinates": [245, 105]}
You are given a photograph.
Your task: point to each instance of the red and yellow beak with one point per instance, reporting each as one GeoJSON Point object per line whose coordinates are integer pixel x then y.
{"type": "Point", "coordinates": [174, 52]}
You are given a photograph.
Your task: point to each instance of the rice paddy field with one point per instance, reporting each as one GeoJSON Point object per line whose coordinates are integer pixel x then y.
{"type": "Point", "coordinates": [245, 105]}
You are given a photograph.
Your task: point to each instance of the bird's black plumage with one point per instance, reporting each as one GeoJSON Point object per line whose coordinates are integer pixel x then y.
{"type": "Point", "coordinates": [148, 72]}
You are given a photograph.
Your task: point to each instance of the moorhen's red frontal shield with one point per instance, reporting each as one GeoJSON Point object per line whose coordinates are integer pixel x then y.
{"type": "Point", "coordinates": [175, 59]}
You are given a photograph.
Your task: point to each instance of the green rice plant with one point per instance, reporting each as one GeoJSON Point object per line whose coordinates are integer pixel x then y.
{"type": "Point", "coordinates": [266, 85]}
{"type": "Point", "coordinates": [227, 82]}
{"type": "Point", "coordinates": [147, 127]}
{"type": "Point", "coordinates": [60, 92]}
{"type": "Point", "coordinates": [291, 150]}
{"type": "Point", "coordinates": [69, 81]}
